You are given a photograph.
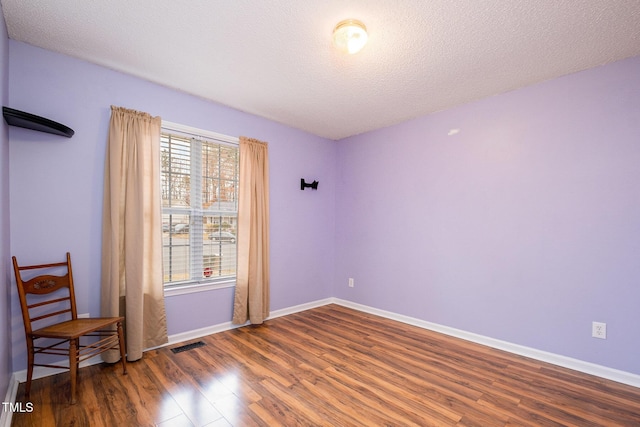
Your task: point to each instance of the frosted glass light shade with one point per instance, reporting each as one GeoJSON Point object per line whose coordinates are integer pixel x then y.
{"type": "Point", "coordinates": [350, 35]}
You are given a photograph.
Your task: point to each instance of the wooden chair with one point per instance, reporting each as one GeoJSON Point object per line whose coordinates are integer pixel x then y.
{"type": "Point", "coordinates": [49, 302]}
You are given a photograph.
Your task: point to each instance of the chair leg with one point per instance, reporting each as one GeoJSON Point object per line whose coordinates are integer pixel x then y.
{"type": "Point", "coordinates": [78, 356]}
{"type": "Point", "coordinates": [123, 353]}
{"type": "Point", "coordinates": [30, 362]}
{"type": "Point", "coordinates": [73, 367]}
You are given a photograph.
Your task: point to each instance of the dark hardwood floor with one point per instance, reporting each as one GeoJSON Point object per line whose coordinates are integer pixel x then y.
{"type": "Point", "coordinates": [332, 366]}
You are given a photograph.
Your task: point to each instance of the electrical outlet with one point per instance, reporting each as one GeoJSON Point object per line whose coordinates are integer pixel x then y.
{"type": "Point", "coordinates": [599, 330]}
{"type": "Point", "coordinates": [351, 282]}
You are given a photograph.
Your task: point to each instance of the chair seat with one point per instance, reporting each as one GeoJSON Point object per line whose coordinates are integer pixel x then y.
{"type": "Point", "coordinates": [72, 329]}
{"type": "Point", "coordinates": [47, 296]}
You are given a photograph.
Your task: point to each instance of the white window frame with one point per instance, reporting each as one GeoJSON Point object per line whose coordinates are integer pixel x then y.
{"type": "Point", "coordinates": [206, 284]}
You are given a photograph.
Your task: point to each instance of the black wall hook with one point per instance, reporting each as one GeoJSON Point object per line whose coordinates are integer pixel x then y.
{"type": "Point", "coordinates": [313, 185]}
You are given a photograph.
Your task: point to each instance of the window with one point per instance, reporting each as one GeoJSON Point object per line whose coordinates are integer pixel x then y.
{"type": "Point", "coordinates": [199, 181]}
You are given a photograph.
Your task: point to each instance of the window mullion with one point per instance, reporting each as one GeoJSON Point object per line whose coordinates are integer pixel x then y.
{"type": "Point", "coordinates": [196, 227]}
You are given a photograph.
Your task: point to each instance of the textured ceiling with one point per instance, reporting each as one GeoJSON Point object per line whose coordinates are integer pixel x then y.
{"type": "Point", "coordinates": [275, 59]}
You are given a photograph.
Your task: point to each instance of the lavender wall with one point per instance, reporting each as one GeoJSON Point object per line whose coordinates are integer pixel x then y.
{"type": "Point", "coordinates": [5, 272]}
{"type": "Point", "coordinates": [56, 183]}
{"type": "Point", "coordinates": [524, 226]}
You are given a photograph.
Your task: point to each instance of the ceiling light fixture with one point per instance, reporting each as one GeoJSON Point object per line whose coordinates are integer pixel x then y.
{"type": "Point", "coordinates": [350, 35]}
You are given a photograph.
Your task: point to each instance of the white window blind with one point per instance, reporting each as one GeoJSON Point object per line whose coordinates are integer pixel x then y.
{"type": "Point", "coordinates": [199, 205]}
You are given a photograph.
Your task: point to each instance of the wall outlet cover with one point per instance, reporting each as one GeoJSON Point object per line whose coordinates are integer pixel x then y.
{"type": "Point", "coordinates": [599, 330]}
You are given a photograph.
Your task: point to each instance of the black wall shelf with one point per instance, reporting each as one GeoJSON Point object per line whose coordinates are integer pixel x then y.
{"type": "Point", "coordinates": [31, 121]}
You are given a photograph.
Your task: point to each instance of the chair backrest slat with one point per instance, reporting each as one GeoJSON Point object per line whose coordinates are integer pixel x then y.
{"type": "Point", "coordinates": [55, 313]}
{"type": "Point", "coordinates": [45, 284]}
{"type": "Point", "coordinates": [51, 301]}
{"type": "Point", "coordinates": [34, 267]}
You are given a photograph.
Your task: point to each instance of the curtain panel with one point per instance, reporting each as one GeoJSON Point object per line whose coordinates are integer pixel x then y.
{"type": "Point", "coordinates": [132, 275]}
{"type": "Point", "coordinates": [251, 300]}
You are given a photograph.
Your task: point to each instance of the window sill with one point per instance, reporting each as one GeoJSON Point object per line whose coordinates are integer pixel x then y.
{"type": "Point", "coordinates": [197, 287]}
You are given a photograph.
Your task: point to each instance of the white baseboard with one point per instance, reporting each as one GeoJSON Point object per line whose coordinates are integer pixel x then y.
{"type": "Point", "coordinates": [564, 361]}
{"type": "Point", "coordinates": [556, 359]}
{"type": "Point", "coordinates": [41, 372]}
{"type": "Point", "coordinates": [12, 392]}
{"type": "Point", "coordinates": [567, 362]}
{"type": "Point", "coordinates": [202, 332]}
{"type": "Point", "coordinates": [301, 307]}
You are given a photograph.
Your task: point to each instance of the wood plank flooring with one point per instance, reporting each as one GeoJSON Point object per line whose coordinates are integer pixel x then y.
{"type": "Point", "coordinates": [332, 366]}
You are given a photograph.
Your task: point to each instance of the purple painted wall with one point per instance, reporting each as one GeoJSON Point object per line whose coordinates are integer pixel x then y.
{"type": "Point", "coordinates": [5, 271]}
{"type": "Point", "coordinates": [56, 184]}
{"type": "Point", "coordinates": [524, 226]}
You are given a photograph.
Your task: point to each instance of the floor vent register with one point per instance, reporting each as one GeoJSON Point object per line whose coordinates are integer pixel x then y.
{"type": "Point", "coordinates": [187, 347]}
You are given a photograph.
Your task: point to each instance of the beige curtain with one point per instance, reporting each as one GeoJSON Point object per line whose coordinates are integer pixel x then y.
{"type": "Point", "coordinates": [252, 282]}
{"type": "Point", "coordinates": [132, 231]}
